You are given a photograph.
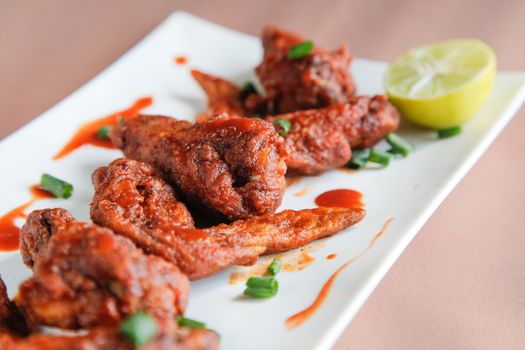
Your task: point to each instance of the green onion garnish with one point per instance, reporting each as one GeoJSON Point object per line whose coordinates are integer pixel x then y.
{"type": "Point", "coordinates": [139, 328]}
{"type": "Point", "coordinates": [380, 157]}
{"type": "Point", "coordinates": [261, 287]}
{"type": "Point", "coordinates": [248, 88]}
{"type": "Point", "coordinates": [359, 158]}
{"type": "Point", "coordinates": [189, 323]}
{"type": "Point", "coordinates": [274, 267]}
{"type": "Point", "coordinates": [57, 187]}
{"type": "Point", "coordinates": [284, 125]}
{"type": "Point", "coordinates": [445, 133]}
{"type": "Point", "coordinates": [399, 145]}
{"type": "Point", "coordinates": [103, 132]}
{"type": "Point", "coordinates": [300, 50]}
{"type": "Point", "coordinates": [258, 116]}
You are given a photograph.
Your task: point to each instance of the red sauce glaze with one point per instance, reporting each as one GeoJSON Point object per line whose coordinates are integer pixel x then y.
{"type": "Point", "coordinates": [242, 124]}
{"type": "Point", "coordinates": [181, 60]}
{"type": "Point", "coordinates": [87, 133]}
{"type": "Point", "coordinates": [342, 198]}
{"type": "Point", "coordinates": [191, 234]}
{"type": "Point", "coordinates": [297, 319]}
{"type": "Point", "coordinates": [9, 232]}
{"type": "Point", "coordinates": [331, 256]}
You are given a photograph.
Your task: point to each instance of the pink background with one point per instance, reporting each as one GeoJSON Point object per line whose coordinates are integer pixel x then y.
{"type": "Point", "coordinates": [461, 283]}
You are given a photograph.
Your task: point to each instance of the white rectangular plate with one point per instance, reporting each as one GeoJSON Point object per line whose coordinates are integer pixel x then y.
{"type": "Point", "coordinates": [408, 191]}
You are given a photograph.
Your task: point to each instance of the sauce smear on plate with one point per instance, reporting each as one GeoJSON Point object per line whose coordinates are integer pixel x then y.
{"type": "Point", "coordinates": [343, 198]}
{"type": "Point", "coordinates": [297, 319]}
{"type": "Point", "coordinates": [87, 133]}
{"type": "Point", "coordinates": [9, 232]}
{"type": "Point", "coordinates": [181, 60]}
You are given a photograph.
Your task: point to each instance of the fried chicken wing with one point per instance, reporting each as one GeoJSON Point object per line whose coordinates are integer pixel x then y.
{"type": "Point", "coordinates": [14, 336]}
{"type": "Point", "coordinates": [85, 276]}
{"type": "Point", "coordinates": [235, 166]}
{"type": "Point", "coordinates": [322, 139]}
{"type": "Point", "coordinates": [202, 252]}
{"type": "Point", "coordinates": [319, 79]}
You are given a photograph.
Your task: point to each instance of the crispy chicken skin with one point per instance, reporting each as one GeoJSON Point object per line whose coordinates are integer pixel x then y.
{"type": "Point", "coordinates": [322, 139]}
{"type": "Point", "coordinates": [200, 253]}
{"type": "Point", "coordinates": [235, 166]}
{"type": "Point", "coordinates": [320, 79]}
{"type": "Point", "coordinates": [85, 276]}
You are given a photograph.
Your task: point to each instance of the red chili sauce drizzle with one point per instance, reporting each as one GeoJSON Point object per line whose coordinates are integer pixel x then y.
{"type": "Point", "coordinates": [9, 232]}
{"type": "Point", "coordinates": [181, 60]}
{"type": "Point", "coordinates": [297, 319]}
{"type": "Point", "coordinates": [87, 133]}
{"type": "Point", "coordinates": [342, 198]}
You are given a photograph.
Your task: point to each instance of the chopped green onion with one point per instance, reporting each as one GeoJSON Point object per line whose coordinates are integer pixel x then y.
{"type": "Point", "coordinates": [139, 328]}
{"type": "Point", "coordinates": [258, 116]}
{"type": "Point", "coordinates": [300, 50]}
{"type": "Point", "coordinates": [359, 158]}
{"type": "Point", "coordinates": [103, 132]}
{"type": "Point", "coordinates": [284, 125]}
{"type": "Point", "coordinates": [399, 145]}
{"type": "Point", "coordinates": [189, 323]}
{"type": "Point", "coordinates": [274, 267]}
{"type": "Point", "coordinates": [57, 187]}
{"type": "Point", "coordinates": [380, 157]}
{"type": "Point", "coordinates": [261, 287]}
{"type": "Point", "coordinates": [445, 133]}
{"type": "Point", "coordinates": [248, 88]}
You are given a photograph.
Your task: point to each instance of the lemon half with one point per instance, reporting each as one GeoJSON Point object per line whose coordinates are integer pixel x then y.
{"type": "Point", "coordinates": [441, 85]}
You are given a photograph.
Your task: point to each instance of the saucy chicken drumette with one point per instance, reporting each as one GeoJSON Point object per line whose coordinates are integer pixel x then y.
{"type": "Point", "coordinates": [85, 277]}
{"type": "Point", "coordinates": [15, 335]}
{"type": "Point", "coordinates": [233, 166]}
{"type": "Point", "coordinates": [133, 202]}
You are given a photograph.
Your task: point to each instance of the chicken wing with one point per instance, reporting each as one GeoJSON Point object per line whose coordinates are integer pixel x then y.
{"type": "Point", "coordinates": [100, 338]}
{"type": "Point", "coordinates": [235, 166]}
{"type": "Point", "coordinates": [202, 252]}
{"type": "Point", "coordinates": [85, 276]}
{"type": "Point", "coordinates": [322, 139]}
{"type": "Point", "coordinates": [319, 79]}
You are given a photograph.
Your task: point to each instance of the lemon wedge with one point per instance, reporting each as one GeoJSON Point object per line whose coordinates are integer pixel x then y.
{"type": "Point", "coordinates": [442, 84]}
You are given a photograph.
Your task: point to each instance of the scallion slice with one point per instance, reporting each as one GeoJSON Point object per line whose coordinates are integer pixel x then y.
{"type": "Point", "coordinates": [103, 132]}
{"type": "Point", "coordinates": [284, 126]}
{"type": "Point", "coordinates": [57, 187]}
{"type": "Point", "coordinates": [359, 158]}
{"type": "Point", "coordinates": [261, 287]}
{"type": "Point", "coordinates": [380, 157]}
{"type": "Point", "coordinates": [399, 145]}
{"type": "Point", "coordinates": [139, 328]}
{"type": "Point", "coordinates": [274, 267]}
{"type": "Point", "coordinates": [300, 50]}
{"type": "Point", "coordinates": [449, 132]}
{"type": "Point", "coordinates": [189, 323]}
{"type": "Point", "coordinates": [258, 116]}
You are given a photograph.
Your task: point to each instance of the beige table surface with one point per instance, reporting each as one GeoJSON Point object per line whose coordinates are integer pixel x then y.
{"type": "Point", "coordinates": [461, 283]}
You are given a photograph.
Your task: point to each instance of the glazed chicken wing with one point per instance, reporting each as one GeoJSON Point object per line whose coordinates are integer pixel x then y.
{"type": "Point", "coordinates": [14, 336]}
{"type": "Point", "coordinates": [322, 139]}
{"type": "Point", "coordinates": [201, 252]}
{"type": "Point", "coordinates": [319, 79]}
{"type": "Point", "coordinates": [85, 276]}
{"type": "Point", "coordinates": [235, 166]}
